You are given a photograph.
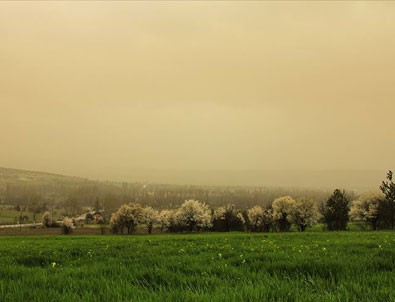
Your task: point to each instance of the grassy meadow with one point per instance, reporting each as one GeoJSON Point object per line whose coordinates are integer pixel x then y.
{"type": "Point", "coordinates": [312, 266]}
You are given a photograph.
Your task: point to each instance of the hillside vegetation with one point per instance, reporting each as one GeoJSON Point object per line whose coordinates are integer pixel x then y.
{"type": "Point", "coordinates": [38, 192]}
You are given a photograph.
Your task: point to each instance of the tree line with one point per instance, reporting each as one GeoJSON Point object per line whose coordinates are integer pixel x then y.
{"type": "Point", "coordinates": [377, 210]}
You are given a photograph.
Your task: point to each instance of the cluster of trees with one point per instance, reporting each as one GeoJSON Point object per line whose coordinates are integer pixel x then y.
{"type": "Point", "coordinates": [71, 199]}
{"type": "Point", "coordinates": [194, 215]}
{"type": "Point", "coordinates": [375, 209]}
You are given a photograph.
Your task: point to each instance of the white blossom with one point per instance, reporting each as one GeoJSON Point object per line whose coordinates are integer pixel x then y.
{"type": "Point", "coordinates": [367, 208]}
{"type": "Point", "coordinates": [283, 209]}
{"type": "Point", "coordinates": [305, 213]}
{"type": "Point", "coordinates": [194, 214]}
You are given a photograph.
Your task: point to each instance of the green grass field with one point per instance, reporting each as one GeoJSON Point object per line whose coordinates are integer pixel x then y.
{"type": "Point", "coordinates": [315, 266]}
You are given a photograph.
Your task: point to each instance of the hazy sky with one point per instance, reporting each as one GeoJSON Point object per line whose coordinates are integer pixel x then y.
{"type": "Point", "coordinates": [100, 86]}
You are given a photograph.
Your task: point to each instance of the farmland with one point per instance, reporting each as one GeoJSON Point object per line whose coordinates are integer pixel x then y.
{"type": "Point", "coordinates": [312, 266]}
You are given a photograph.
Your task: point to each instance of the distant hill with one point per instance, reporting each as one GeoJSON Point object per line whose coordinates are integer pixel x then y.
{"type": "Point", "coordinates": [14, 176]}
{"type": "Point", "coordinates": [22, 187]}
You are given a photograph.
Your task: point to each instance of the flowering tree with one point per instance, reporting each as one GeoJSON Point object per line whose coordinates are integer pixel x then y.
{"type": "Point", "coordinates": [67, 225]}
{"type": "Point", "coordinates": [127, 216]}
{"type": "Point", "coordinates": [164, 219]}
{"type": "Point", "coordinates": [194, 215]}
{"type": "Point", "coordinates": [283, 209]}
{"type": "Point", "coordinates": [305, 213]}
{"type": "Point", "coordinates": [260, 219]}
{"type": "Point", "coordinates": [369, 209]}
{"type": "Point", "coordinates": [150, 216]}
{"type": "Point", "coordinates": [228, 218]}
{"type": "Point", "coordinates": [255, 217]}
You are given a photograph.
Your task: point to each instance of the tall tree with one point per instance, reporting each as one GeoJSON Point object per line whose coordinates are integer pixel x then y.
{"type": "Point", "coordinates": [336, 210]}
{"type": "Point", "coordinates": [388, 188]}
